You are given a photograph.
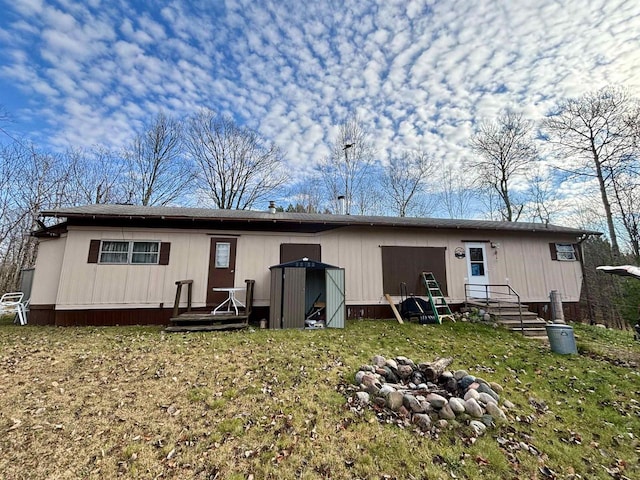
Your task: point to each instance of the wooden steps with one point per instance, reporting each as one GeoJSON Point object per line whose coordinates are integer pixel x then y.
{"type": "Point", "coordinates": [190, 321]}
{"type": "Point", "coordinates": [507, 314]}
{"type": "Point", "coordinates": [206, 327]}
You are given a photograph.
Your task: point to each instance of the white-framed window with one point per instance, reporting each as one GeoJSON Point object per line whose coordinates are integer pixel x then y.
{"type": "Point", "coordinates": [125, 252]}
{"type": "Point", "coordinates": [223, 254]}
{"type": "Point", "coordinates": [565, 252]}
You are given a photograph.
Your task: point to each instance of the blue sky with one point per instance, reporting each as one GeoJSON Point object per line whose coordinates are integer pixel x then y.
{"type": "Point", "coordinates": [417, 73]}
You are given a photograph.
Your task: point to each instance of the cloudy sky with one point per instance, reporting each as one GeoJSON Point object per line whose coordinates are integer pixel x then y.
{"type": "Point", "coordinates": [418, 73]}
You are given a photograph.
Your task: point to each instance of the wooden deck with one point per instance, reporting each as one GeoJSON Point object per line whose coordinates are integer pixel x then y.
{"type": "Point", "coordinates": [206, 321]}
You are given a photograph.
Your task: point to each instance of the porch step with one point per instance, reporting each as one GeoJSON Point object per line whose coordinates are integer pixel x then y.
{"type": "Point", "coordinates": [205, 328]}
{"type": "Point", "coordinates": [191, 317]}
{"type": "Point", "coordinates": [507, 314]}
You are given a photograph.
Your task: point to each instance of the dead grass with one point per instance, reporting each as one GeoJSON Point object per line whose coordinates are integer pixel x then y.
{"type": "Point", "coordinates": [137, 403]}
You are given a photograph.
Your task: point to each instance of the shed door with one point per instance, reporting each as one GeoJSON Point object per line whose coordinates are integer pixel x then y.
{"type": "Point", "coordinates": [293, 298]}
{"type": "Point", "coordinates": [477, 269]}
{"type": "Point", "coordinates": [335, 305]}
{"type": "Point", "coordinates": [222, 268]}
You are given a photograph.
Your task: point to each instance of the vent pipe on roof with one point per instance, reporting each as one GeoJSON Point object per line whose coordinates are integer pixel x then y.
{"type": "Point", "coordinates": [272, 206]}
{"type": "Point", "coordinates": [342, 204]}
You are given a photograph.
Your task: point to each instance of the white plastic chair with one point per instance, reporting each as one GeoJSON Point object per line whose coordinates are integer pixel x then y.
{"type": "Point", "coordinates": [12, 303]}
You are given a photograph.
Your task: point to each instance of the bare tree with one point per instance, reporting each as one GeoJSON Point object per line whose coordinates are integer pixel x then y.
{"type": "Point", "coordinates": [96, 175]}
{"type": "Point", "coordinates": [626, 191]}
{"type": "Point", "coordinates": [39, 182]}
{"type": "Point", "coordinates": [306, 195]}
{"type": "Point", "coordinates": [593, 131]}
{"type": "Point", "coordinates": [457, 192]}
{"type": "Point", "coordinates": [403, 181]}
{"type": "Point", "coordinates": [158, 172]}
{"type": "Point", "coordinates": [542, 204]}
{"type": "Point", "coordinates": [236, 167]}
{"type": "Point", "coordinates": [506, 150]}
{"type": "Point", "coordinates": [345, 172]}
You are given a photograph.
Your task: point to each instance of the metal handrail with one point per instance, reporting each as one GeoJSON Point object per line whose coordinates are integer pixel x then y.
{"type": "Point", "coordinates": [491, 289]}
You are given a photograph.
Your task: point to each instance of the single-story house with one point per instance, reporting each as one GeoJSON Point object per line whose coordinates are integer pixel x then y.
{"type": "Point", "coordinates": [118, 264]}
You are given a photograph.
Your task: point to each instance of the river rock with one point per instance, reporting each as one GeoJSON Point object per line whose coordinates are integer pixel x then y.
{"type": "Point", "coordinates": [390, 375]}
{"type": "Point", "coordinates": [367, 368]}
{"type": "Point", "coordinates": [496, 387]}
{"type": "Point", "coordinates": [485, 398]}
{"type": "Point", "coordinates": [386, 389]}
{"type": "Point", "coordinates": [458, 374]}
{"type": "Point", "coordinates": [487, 419]}
{"type": "Point", "coordinates": [380, 401]}
{"type": "Point", "coordinates": [472, 394]}
{"type": "Point", "coordinates": [436, 401]}
{"type": "Point", "coordinates": [477, 426]}
{"type": "Point", "coordinates": [378, 360]}
{"type": "Point", "coordinates": [447, 413]}
{"type": "Point", "coordinates": [371, 383]}
{"type": "Point", "coordinates": [391, 363]}
{"type": "Point", "coordinates": [417, 377]}
{"type": "Point", "coordinates": [473, 408]}
{"type": "Point", "coordinates": [496, 412]}
{"type": "Point", "coordinates": [446, 374]}
{"type": "Point", "coordinates": [451, 385]}
{"type": "Point", "coordinates": [465, 381]}
{"type": "Point", "coordinates": [484, 387]}
{"type": "Point", "coordinates": [412, 403]}
{"type": "Point", "coordinates": [422, 421]}
{"type": "Point", "coordinates": [394, 400]}
{"type": "Point", "coordinates": [508, 405]}
{"type": "Point", "coordinates": [405, 361]}
{"type": "Point", "coordinates": [363, 397]}
{"type": "Point", "coordinates": [359, 376]}
{"type": "Point", "coordinates": [456, 404]}
{"type": "Point", "coordinates": [404, 371]}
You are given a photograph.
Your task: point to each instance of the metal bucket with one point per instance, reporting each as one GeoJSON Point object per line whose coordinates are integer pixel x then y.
{"type": "Point", "coordinates": [561, 339]}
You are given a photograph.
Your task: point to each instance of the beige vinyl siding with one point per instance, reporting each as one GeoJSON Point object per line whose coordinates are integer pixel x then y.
{"type": "Point", "coordinates": [47, 270]}
{"type": "Point", "coordinates": [522, 260]}
{"type": "Point", "coordinates": [87, 285]}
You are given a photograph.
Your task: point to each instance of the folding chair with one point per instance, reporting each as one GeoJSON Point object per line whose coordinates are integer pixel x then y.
{"type": "Point", "coordinates": [12, 303]}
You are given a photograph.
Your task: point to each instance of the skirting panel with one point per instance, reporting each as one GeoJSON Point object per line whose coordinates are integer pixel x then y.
{"type": "Point", "coordinates": [46, 315]}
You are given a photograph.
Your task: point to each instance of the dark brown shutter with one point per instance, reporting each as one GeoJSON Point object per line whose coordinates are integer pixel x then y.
{"type": "Point", "coordinates": [290, 252]}
{"type": "Point", "coordinates": [165, 249]}
{"type": "Point", "coordinates": [554, 251]}
{"type": "Point", "coordinates": [94, 251]}
{"type": "Point", "coordinates": [405, 265]}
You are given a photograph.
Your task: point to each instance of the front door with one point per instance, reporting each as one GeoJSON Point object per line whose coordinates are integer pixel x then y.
{"type": "Point", "coordinates": [222, 269]}
{"type": "Point", "coordinates": [478, 272]}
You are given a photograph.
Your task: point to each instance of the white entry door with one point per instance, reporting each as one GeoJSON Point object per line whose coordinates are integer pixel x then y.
{"type": "Point", "coordinates": [478, 272]}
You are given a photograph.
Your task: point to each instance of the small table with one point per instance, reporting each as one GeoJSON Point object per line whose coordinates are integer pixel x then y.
{"type": "Point", "coordinates": [231, 300]}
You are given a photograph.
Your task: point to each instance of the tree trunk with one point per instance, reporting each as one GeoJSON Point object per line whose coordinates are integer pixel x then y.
{"type": "Point", "coordinates": [432, 371]}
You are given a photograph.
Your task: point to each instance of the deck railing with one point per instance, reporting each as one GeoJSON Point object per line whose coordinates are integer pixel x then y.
{"type": "Point", "coordinates": [495, 296]}
{"type": "Point", "coordinates": [179, 285]}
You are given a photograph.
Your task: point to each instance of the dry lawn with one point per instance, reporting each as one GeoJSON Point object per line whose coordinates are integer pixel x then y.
{"type": "Point", "coordinates": [102, 403]}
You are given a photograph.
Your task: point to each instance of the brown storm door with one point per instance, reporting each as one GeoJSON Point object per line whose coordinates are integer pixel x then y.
{"type": "Point", "coordinates": [222, 269]}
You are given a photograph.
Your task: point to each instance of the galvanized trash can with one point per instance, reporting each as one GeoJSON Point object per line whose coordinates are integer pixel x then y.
{"type": "Point", "coordinates": [561, 338]}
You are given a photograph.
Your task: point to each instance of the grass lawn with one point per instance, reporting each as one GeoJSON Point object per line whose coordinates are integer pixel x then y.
{"type": "Point", "coordinates": [135, 402]}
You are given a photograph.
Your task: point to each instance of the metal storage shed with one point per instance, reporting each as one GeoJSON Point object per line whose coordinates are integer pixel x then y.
{"type": "Point", "coordinates": [298, 286]}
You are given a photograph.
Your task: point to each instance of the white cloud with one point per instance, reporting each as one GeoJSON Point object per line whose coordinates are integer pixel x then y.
{"type": "Point", "coordinates": [420, 73]}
